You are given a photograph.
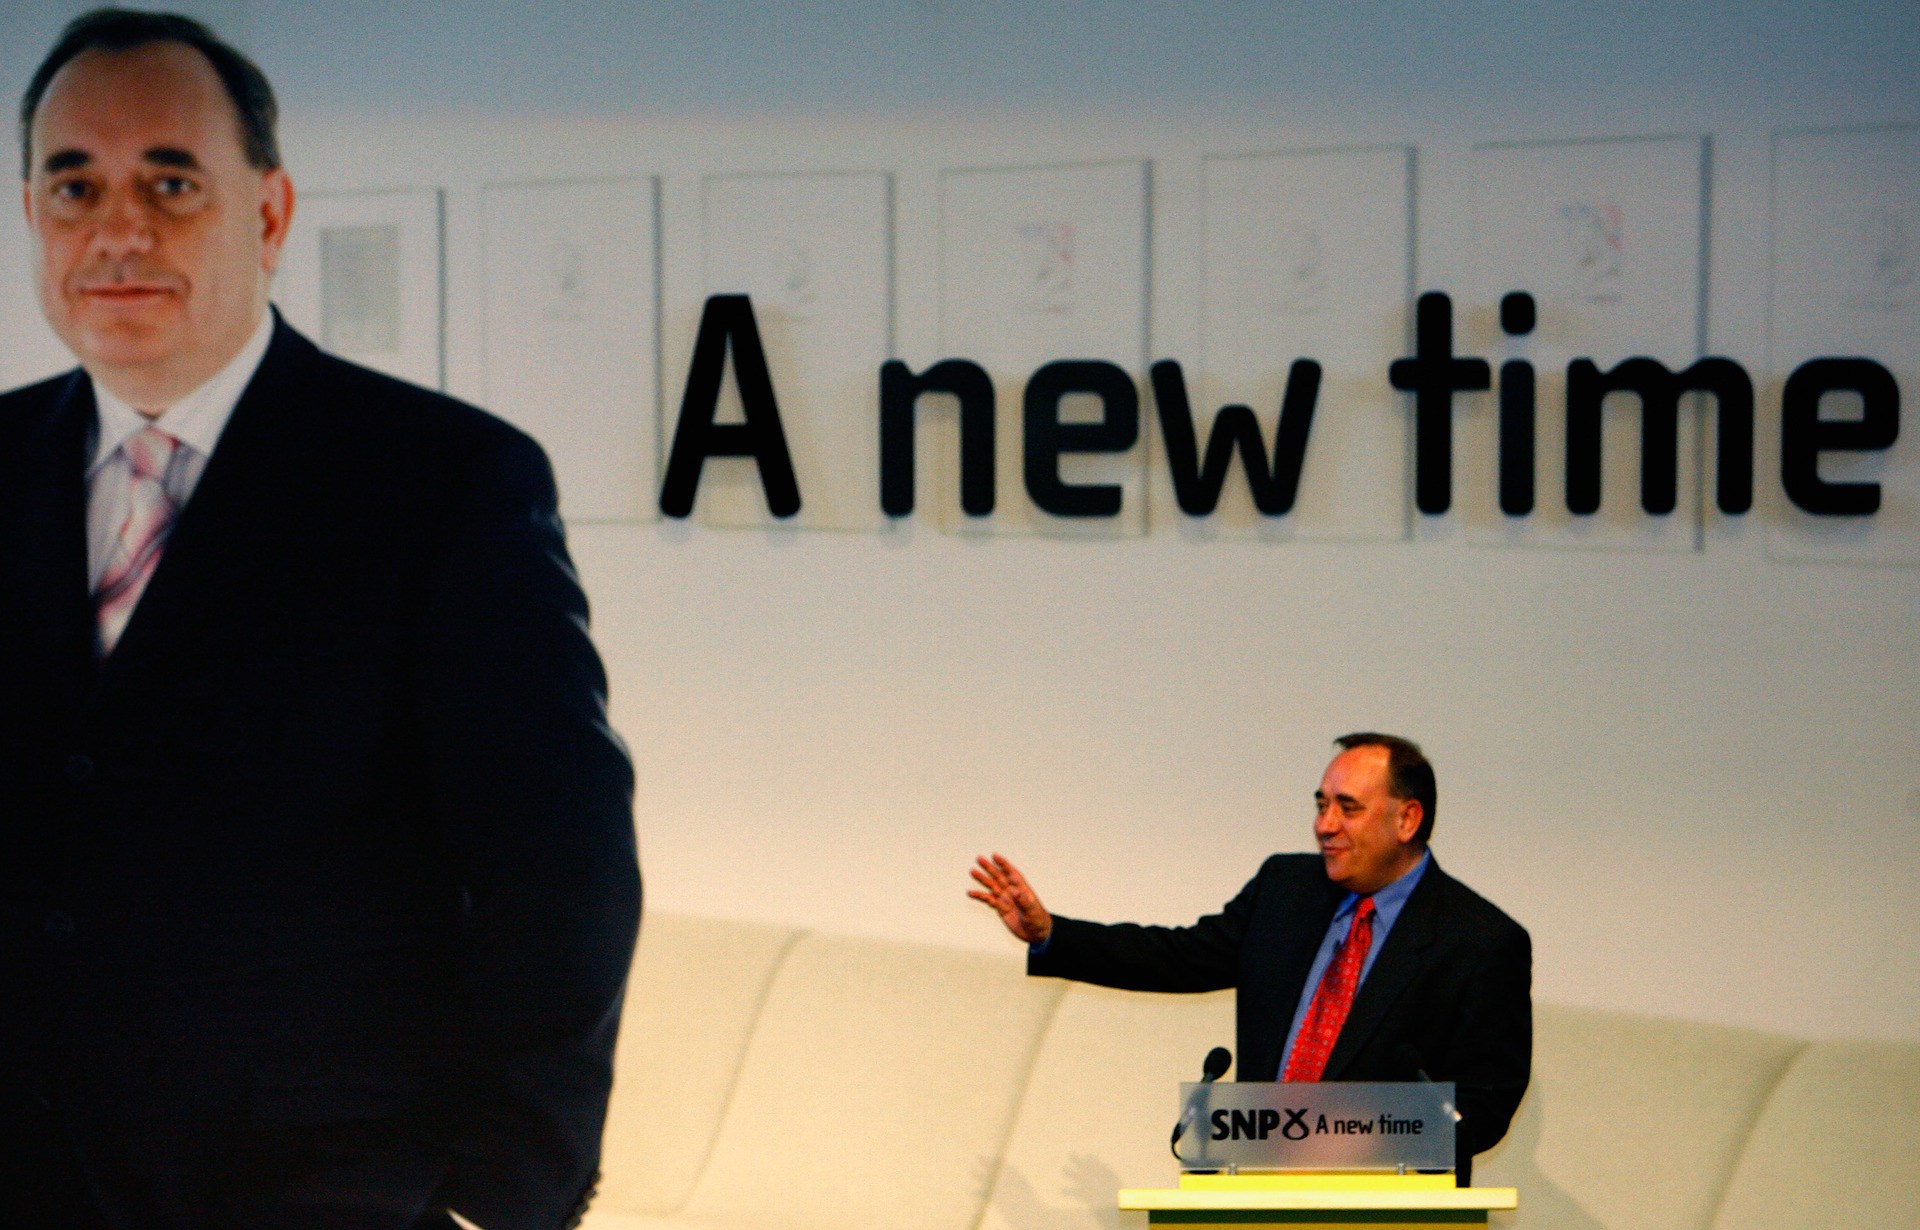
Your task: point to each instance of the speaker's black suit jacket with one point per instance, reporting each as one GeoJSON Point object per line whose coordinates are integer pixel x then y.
{"type": "Point", "coordinates": [339, 833]}
{"type": "Point", "coordinates": [1449, 991]}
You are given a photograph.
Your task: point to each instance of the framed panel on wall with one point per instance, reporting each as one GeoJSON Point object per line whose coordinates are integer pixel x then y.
{"type": "Point", "coordinates": [1039, 264]}
{"type": "Point", "coordinates": [572, 272]}
{"type": "Point", "coordinates": [814, 252]}
{"type": "Point", "coordinates": [1306, 254]}
{"type": "Point", "coordinates": [1846, 281]}
{"type": "Point", "coordinates": [361, 275]}
{"type": "Point", "coordinates": [1607, 238]}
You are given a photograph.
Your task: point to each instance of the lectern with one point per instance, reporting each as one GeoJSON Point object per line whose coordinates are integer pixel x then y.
{"type": "Point", "coordinates": [1334, 1155]}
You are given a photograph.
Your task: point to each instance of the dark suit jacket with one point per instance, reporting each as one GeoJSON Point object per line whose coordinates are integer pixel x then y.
{"type": "Point", "coordinates": [339, 832]}
{"type": "Point", "coordinates": [1452, 982]}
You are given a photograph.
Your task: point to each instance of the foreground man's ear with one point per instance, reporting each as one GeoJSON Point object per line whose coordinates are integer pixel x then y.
{"type": "Point", "coordinates": [276, 216]}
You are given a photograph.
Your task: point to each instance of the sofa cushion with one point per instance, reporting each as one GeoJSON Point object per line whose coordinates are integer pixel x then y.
{"type": "Point", "coordinates": [695, 990]}
{"type": "Point", "coordinates": [1102, 1098]}
{"type": "Point", "coordinates": [1631, 1121]}
{"type": "Point", "coordinates": [877, 1090]}
{"type": "Point", "coordinates": [1835, 1145]}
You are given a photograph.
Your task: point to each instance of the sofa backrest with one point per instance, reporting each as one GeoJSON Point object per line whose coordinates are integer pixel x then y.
{"type": "Point", "coordinates": [1099, 1105]}
{"type": "Point", "coordinates": [693, 999]}
{"type": "Point", "coordinates": [1631, 1122]}
{"type": "Point", "coordinates": [877, 1091]}
{"type": "Point", "coordinates": [786, 1080]}
{"type": "Point", "coordinates": [1835, 1146]}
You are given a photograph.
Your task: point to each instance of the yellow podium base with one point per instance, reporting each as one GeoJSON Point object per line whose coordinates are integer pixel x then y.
{"type": "Point", "coordinates": [1317, 1201]}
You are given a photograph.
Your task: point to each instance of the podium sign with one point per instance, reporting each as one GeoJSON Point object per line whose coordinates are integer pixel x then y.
{"type": "Point", "coordinates": [1316, 1125]}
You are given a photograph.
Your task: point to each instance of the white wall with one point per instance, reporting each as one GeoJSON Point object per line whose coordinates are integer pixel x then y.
{"type": "Point", "coordinates": [1692, 777]}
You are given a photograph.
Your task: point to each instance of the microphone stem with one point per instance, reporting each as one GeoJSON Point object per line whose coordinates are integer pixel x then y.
{"type": "Point", "coordinates": [1446, 1104]}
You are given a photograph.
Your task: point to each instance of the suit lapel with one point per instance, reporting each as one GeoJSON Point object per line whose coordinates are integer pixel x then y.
{"type": "Point", "coordinates": [1402, 957]}
{"type": "Point", "coordinates": [217, 536]}
{"type": "Point", "coordinates": [46, 548]}
{"type": "Point", "coordinates": [1300, 944]}
{"type": "Point", "coordinates": [1293, 940]}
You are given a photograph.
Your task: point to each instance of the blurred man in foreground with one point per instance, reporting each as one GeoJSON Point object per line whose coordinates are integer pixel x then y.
{"type": "Point", "coordinates": [317, 876]}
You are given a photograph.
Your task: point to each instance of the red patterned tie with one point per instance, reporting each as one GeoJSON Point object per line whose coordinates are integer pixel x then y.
{"type": "Point", "coordinates": [1332, 999]}
{"type": "Point", "coordinates": [150, 514]}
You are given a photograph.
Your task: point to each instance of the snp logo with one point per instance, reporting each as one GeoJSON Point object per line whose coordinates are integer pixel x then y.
{"type": "Point", "coordinates": [1259, 1124]}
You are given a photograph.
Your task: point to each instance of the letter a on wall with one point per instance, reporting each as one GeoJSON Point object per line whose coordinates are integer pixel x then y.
{"type": "Point", "coordinates": [727, 325]}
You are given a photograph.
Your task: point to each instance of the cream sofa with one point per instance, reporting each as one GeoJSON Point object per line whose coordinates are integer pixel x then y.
{"type": "Point", "coordinates": [773, 1079]}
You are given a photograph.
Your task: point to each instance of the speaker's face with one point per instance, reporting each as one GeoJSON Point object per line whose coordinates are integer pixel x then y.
{"type": "Point", "coordinates": [1365, 834]}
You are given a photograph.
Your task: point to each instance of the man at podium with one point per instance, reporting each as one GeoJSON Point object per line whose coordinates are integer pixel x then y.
{"type": "Point", "coordinates": [1366, 962]}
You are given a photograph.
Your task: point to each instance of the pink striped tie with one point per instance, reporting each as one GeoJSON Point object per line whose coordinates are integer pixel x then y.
{"type": "Point", "coordinates": [150, 514]}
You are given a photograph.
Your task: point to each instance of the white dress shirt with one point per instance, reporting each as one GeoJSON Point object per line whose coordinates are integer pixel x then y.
{"type": "Point", "coordinates": [196, 420]}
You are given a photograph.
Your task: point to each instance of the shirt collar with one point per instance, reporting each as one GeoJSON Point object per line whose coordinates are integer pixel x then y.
{"type": "Point", "coordinates": [197, 419]}
{"type": "Point", "coordinates": [1387, 901]}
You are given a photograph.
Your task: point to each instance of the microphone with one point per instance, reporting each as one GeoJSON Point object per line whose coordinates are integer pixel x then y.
{"type": "Point", "coordinates": [1407, 1055]}
{"type": "Point", "coordinates": [1218, 1060]}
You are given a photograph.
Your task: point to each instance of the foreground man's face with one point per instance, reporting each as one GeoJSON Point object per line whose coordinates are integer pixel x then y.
{"type": "Point", "coordinates": [156, 238]}
{"type": "Point", "coordinates": [1365, 834]}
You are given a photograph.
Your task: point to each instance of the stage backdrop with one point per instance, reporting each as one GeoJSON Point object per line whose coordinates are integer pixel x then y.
{"type": "Point", "coordinates": [1681, 750]}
